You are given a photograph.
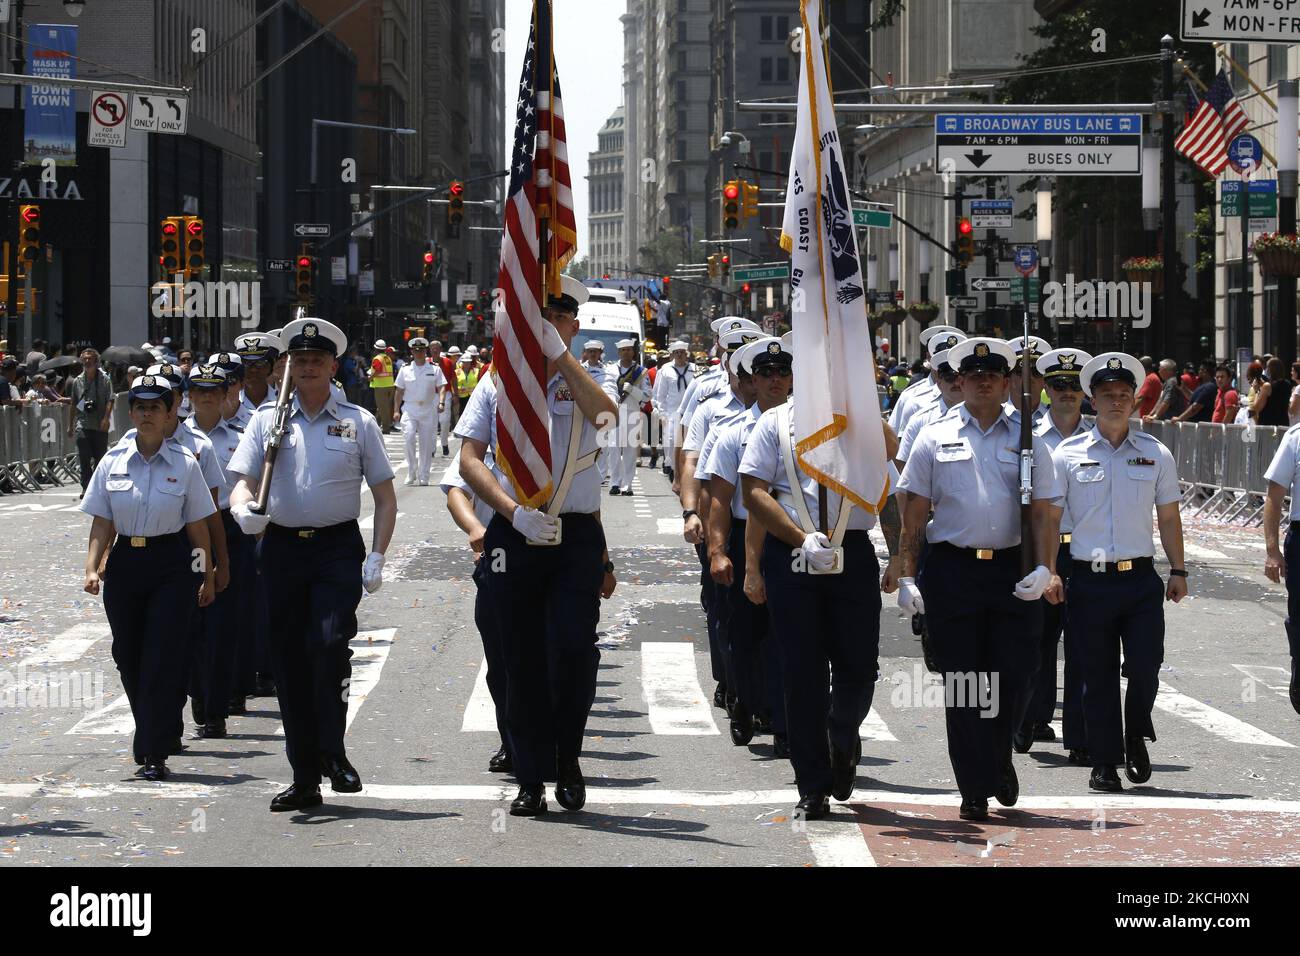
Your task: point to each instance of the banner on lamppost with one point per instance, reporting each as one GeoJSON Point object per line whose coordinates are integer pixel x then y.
{"type": "Point", "coordinates": [50, 109]}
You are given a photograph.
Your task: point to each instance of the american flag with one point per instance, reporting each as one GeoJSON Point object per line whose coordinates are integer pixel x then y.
{"type": "Point", "coordinates": [539, 195]}
{"type": "Point", "coordinates": [1219, 117]}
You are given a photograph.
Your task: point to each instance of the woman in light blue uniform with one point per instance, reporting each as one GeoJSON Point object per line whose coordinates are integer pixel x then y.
{"type": "Point", "coordinates": [147, 491]}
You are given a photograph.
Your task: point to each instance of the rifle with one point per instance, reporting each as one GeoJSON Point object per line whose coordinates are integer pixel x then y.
{"type": "Point", "coordinates": [279, 429]}
{"type": "Point", "coordinates": [1026, 448]}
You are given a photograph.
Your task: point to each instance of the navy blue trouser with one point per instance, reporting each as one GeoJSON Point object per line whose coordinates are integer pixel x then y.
{"type": "Point", "coordinates": [150, 594]}
{"type": "Point", "coordinates": [1291, 551]}
{"type": "Point", "coordinates": [313, 586]}
{"type": "Point", "coordinates": [253, 650]}
{"type": "Point", "coordinates": [979, 631]}
{"type": "Point", "coordinates": [546, 599]}
{"type": "Point", "coordinates": [1109, 611]}
{"type": "Point", "coordinates": [1042, 703]}
{"type": "Point", "coordinates": [493, 651]}
{"type": "Point", "coordinates": [218, 628]}
{"type": "Point", "coordinates": [754, 653]}
{"type": "Point", "coordinates": [713, 607]}
{"type": "Point", "coordinates": [829, 629]}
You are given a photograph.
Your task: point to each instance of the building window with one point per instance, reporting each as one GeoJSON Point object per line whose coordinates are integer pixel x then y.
{"type": "Point", "coordinates": [783, 27]}
{"type": "Point", "coordinates": [681, 91]}
{"type": "Point", "coordinates": [681, 181]}
{"type": "Point", "coordinates": [681, 120]}
{"type": "Point", "coordinates": [681, 30]}
{"type": "Point", "coordinates": [783, 70]}
{"type": "Point", "coordinates": [1241, 53]}
{"type": "Point", "coordinates": [765, 70]}
{"type": "Point", "coordinates": [681, 60]}
{"type": "Point", "coordinates": [1276, 62]}
{"type": "Point", "coordinates": [681, 149]}
{"type": "Point", "coordinates": [765, 29]}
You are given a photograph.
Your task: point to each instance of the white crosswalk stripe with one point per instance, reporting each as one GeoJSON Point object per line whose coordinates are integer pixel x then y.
{"type": "Point", "coordinates": [480, 713]}
{"type": "Point", "coordinates": [369, 652]}
{"type": "Point", "coordinates": [672, 691]}
{"type": "Point", "coordinates": [839, 843]}
{"type": "Point", "coordinates": [68, 647]}
{"type": "Point", "coordinates": [1215, 721]}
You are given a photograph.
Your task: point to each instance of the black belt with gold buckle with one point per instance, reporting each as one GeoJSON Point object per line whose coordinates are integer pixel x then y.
{"type": "Point", "coordinates": [1115, 567]}
{"type": "Point", "coordinates": [982, 554]}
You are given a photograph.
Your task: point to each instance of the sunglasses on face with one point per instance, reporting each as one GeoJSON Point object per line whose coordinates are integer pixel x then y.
{"type": "Point", "coordinates": [948, 376]}
{"type": "Point", "coordinates": [773, 371]}
{"type": "Point", "coordinates": [1064, 385]}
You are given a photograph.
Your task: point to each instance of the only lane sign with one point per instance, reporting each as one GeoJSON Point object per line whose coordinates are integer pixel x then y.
{"type": "Point", "coordinates": [1073, 144]}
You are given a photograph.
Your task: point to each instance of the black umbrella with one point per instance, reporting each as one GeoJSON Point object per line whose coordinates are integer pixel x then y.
{"type": "Point", "coordinates": [126, 355]}
{"type": "Point", "coordinates": [59, 361]}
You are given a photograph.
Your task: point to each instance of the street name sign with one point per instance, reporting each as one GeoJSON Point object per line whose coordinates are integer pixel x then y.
{"type": "Point", "coordinates": [985, 284]}
{"type": "Point", "coordinates": [1263, 21]}
{"type": "Point", "coordinates": [873, 218]}
{"type": "Point", "coordinates": [316, 230]}
{"type": "Point", "coordinates": [1262, 203]}
{"type": "Point", "coordinates": [1066, 144]}
{"type": "Point", "coordinates": [758, 273]}
{"type": "Point", "coordinates": [990, 213]}
{"type": "Point", "coordinates": [963, 302]}
{"type": "Point", "coordinates": [154, 113]}
{"type": "Point", "coordinates": [108, 113]}
{"type": "Point", "coordinates": [279, 265]}
{"type": "Point", "coordinates": [407, 284]}
{"type": "Point", "coordinates": [1017, 290]}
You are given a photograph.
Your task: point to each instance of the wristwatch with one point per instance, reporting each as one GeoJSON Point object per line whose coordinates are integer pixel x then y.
{"type": "Point", "coordinates": [609, 567]}
{"type": "Point", "coordinates": [1178, 572]}
{"type": "Point", "coordinates": [686, 514]}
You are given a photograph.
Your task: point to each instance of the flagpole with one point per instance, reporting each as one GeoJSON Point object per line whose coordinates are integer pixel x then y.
{"type": "Point", "coordinates": [544, 200]}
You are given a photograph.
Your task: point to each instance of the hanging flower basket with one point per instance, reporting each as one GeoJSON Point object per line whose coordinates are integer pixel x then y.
{"type": "Point", "coordinates": [923, 312]}
{"type": "Point", "coordinates": [1145, 269]}
{"type": "Point", "coordinates": [894, 314]}
{"type": "Point", "coordinates": [1278, 254]}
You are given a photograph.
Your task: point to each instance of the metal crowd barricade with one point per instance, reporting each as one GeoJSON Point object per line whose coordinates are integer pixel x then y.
{"type": "Point", "coordinates": [35, 447]}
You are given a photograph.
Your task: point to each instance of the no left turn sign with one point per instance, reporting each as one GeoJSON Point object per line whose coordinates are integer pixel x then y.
{"type": "Point", "coordinates": [108, 112]}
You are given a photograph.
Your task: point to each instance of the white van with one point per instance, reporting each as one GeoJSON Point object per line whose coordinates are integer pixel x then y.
{"type": "Point", "coordinates": [608, 316]}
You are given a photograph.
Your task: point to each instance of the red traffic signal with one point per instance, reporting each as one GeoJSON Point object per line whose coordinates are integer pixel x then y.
{"type": "Point", "coordinates": [731, 190]}
{"type": "Point", "coordinates": [428, 258]}
{"type": "Point", "coordinates": [194, 227]}
{"type": "Point", "coordinates": [304, 262]}
{"type": "Point", "coordinates": [745, 288]}
{"type": "Point", "coordinates": [726, 260]}
{"type": "Point", "coordinates": [169, 228]}
{"type": "Point", "coordinates": [469, 306]}
{"type": "Point", "coordinates": [964, 226]}
{"type": "Point", "coordinates": [457, 188]}
{"type": "Point", "coordinates": [30, 213]}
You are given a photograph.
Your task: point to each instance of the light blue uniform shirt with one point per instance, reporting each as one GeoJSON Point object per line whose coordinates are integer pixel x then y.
{"type": "Point", "coordinates": [1046, 430]}
{"type": "Point", "coordinates": [705, 386]}
{"type": "Point", "coordinates": [225, 439]}
{"type": "Point", "coordinates": [600, 373]}
{"type": "Point", "coordinates": [723, 451]}
{"type": "Point", "coordinates": [1110, 492]}
{"type": "Point", "coordinates": [479, 422]}
{"type": "Point", "coordinates": [451, 478]}
{"type": "Point", "coordinates": [322, 460]}
{"type": "Point", "coordinates": [931, 413]}
{"type": "Point", "coordinates": [147, 498]}
{"type": "Point", "coordinates": [762, 459]}
{"type": "Point", "coordinates": [972, 479]}
{"type": "Point", "coordinates": [1284, 469]}
{"type": "Point", "coordinates": [244, 414]}
{"type": "Point", "coordinates": [1035, 418]}
{"type": "Point", "coordinates": [197, 444]}
{"type": "Point", "coordinates": [722, 405]}
{"type": "Point", "coordinates": [911, 400]}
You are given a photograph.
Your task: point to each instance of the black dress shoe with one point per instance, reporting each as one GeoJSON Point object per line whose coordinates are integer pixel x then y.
{"type": "Point", "coordinates": [530, 802]}
{"type": "Point", "coordinates": [815, 806]}
{"type": "Point", "coordinates": [627, 492]}
{"type": "Point", "coordinates": [263, 686]}
{"type": "Point", "coordinates": [1008, 785]}
{"type": "Point", "coordinates": [1105, 779]}
{"type": "Point", "coordinates": [1295, 685]}
{"type": "Point", "coordinates": [343, 776]}
{"type": "Point", "coordinates": [238, 707]}
{"type": "Point", "coordinates": [297, 797]}
{"type": "Point", "coordinates": [155, 768]}
{"type": "Point", "coordinates": [844, 769]}
{"type": "Point", "coordinates": [501, 762]}
{"type": "Point", "coordinates": [780, 745]}
{"type": "Point", "coordinates": [1137, 762]}
{"type": "Point", "coordinates": [1022, 739]}
{"type": "Point", "coordinates": [613, 492]}
{"type": "Point", "coordinates": [720, 695]}
{"type": "Point", "coordinates": [974, 810]}
{"type": "Point", "coordinates": [742, 725]}
{"type": "Point", "coordinates": [1080, 758]}
{"type": "Point", "coordinates": [214, 729]}
{"type": "Point", "coordinates": [570, 788]}
{"type": "Point", "coordinates": [1043, 731]}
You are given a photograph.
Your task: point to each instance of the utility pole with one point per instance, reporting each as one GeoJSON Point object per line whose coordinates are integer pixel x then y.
{"type": "Point", "coordinates": [1165, 338]}
{"type": "Point", "coordinates": [1284, 335]}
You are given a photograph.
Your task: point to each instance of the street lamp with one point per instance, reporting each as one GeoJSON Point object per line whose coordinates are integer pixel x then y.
{"type": "Point", "coordinates": [893, 266]}
{"type": "Point", "coordinates": [1151, 184]}
{"type": "Point", "coordinates": [1043, 234]}
{"type": "Point", "coordinates": [1284, 337]}
{"type": "Point", "coordinates": [873, 270]}
{"type": "Point", "coordinates": [730, 136]}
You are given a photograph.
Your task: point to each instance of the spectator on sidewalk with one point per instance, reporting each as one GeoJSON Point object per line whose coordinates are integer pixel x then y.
{"type": "Point", "coordinates": [1227, 401]}
{"type": "Point", "coordinates": [92, 399]}
{"type": "Point", "coordinates": [1172, 402]}
{"type": "Point", "coordinates": [1205, 393]}
{"type": "Point", "coordinates": [1274, 396]}
{"type": "Point", "coordinates": [1149, 393]}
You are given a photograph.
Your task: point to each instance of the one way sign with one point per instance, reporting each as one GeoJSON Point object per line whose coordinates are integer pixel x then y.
{"type": "Point", "coordinates": [154, 113]}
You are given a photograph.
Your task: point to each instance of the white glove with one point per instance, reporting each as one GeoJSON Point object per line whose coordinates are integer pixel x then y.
{"type": "Point", "coordinates": [1030, 588]}
{"type": "Point", "coordinates": [552, 345]}
{"type": "Point", "coordinates": [534, 525]}
{"type": "Point", "coordinates": [817, 551]}
{"type": "Point", "coordinates": [248, 522]}
{"type": "Point", "coordinates": [372, 572]}
{"type": "Point", "coordinates": [909, 596]}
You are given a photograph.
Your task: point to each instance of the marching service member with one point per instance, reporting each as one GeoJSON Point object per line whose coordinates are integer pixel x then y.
{"type": "Point", "coordinates": [446, 394]}
{"type": "Point", "coordinates": [1037, 348]}
{"type": "Point", "coordinates": [314, 561]}
{"type": "Point", "coordinates": [419, 401]}
{"type": "Point", "coordinates": [670, 388]}
{"type": "Point", "coordinates": [922, 392]}
{"type": "Point", "coordinates": [983, 619]}
{"type": "Point", "coordinates": [703, 386]}
{"type": "Point", "coordinates": [1110, 478]}
{"type": "Point", "coordinates": [553, 567]}
{"type": "Point", "coordinates": [947, 392]}
{"type": "Point", "coordinates": [258, 352]}
{"type": "Point", "coordinates": [631, 385]}
{"type": "Point", "coordinates": [1283, 476]}
{"type": "Point", "coordinates": [593, 352]}
{"type": "Point", "coordinates": [146, 491]}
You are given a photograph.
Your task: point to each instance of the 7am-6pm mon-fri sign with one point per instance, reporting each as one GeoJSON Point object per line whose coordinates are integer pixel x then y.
{"type": "Point", "coordinates": [1264, 21]}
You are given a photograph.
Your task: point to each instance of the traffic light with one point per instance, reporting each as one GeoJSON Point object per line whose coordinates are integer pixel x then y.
{"type": "Point", "coordinates": [29, 235]}
{"type": "Point", "coordinates": [668, 281]}
{"type": "Point", "coordinates": [713, 266]}
{"type": "Point", "coordinates": [170, 231]}
{"type": "Point", "coordinates": [469, 307]}
{"type": "Point", "coordinates": [455, 202]}
{"type": "Point", "coordinates": [193, 239]}
{"type": "Point", "coordinates": [749, 200]}
{"type": "Point", "coordinates": [965, 244]}
{"type": "Point", "coordinates": [731, 204]}
{"type": "Point", "coordinates": [726, 265]}
{"type": "Point", "coordinates": [426, 273]}
{"type": "Point", "coordinates": [744, 289]}
{"type": "Point", "coordinates": [305, 269]}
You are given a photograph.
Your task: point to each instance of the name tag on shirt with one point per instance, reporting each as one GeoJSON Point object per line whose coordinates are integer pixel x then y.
{"type": "Point", "coordinates": [346, 430]}
{"type": "Point", "coordinates": [119, 484]}
{"type": "Point", "coordinates": [953, 451]}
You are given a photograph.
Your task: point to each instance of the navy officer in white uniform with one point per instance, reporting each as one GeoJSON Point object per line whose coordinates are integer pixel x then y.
{"type": "Point", "coordinates": [151, 494]}
{"type": "Point", "coordinates": [553, 568]}
{"type": "Point", "coordinates": [1110, 478]}
{"type": "Point", "coordinates": [983, 617]}
{"type": "Point", "coordinates": [314, 561]}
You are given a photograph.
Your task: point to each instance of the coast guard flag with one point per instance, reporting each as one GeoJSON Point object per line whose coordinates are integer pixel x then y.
{"type": "Point", "coordinates": [839, 439]}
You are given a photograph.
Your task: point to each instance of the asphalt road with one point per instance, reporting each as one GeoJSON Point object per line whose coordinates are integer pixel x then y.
{"type": "Point", "coordinates": [665, 784]}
